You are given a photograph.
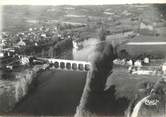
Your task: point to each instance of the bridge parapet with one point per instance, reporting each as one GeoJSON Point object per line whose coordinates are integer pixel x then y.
{"type": "Point", "coordinates": [70, 65]}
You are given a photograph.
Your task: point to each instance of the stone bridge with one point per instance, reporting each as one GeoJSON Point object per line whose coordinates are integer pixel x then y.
{"type": "Point", "coordinates": [71, 65]}
{"type": "Point", "coordinates": [63, 64]}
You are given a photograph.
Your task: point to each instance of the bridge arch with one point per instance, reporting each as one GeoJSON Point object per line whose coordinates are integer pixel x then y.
{"type": "Point", "coordinates": [70, 65]}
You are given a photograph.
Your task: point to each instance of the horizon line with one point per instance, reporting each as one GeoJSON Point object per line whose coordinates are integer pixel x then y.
{"type": "Point", "coordinates": [79, 2]}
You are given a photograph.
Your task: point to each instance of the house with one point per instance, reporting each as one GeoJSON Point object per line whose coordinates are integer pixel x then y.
{"type": "Point", "coordinates": [77, 44]}
{"type": "Point", "coordinates": [144, 25]}
{"type": "Point", "coordinates": [138, 63]}
{"type": "Point", "coordinates": [1, 54]}
{"type": "Point", "coordinates": [3, 43]}
{"type": "Point", "coordinates": [129, 62]}
{"type": "Point", "coordinates": [21, 43]}
{"type": "Point", "coordinates": [164, 68]}
{"type": "Point", "coordinates": [146, 60]}
{"type": "Point", "coordinates": [24, 60]}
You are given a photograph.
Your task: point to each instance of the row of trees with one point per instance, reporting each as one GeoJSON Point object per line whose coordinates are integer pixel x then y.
{"type": "Point", "coordinates": [102, 63]}
{"type": "Point", "coordinates": [57, 49]}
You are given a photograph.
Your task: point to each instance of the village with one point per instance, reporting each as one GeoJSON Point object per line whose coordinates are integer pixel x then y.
{"type": "Point", "coordinates": [142, 67]}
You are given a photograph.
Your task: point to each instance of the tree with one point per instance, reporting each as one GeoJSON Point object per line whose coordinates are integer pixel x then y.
{"type": "Point", "coordinates": [102, 32]}
{"type": "Point", "coordinates": [51, 52]}
{"type": "Point", "coordinates": [42, 53]}
{"type": "Point", "coordinates": [102, 62]}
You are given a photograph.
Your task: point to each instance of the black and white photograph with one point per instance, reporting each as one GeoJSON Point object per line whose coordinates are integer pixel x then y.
{"type": "Point", "coordinates": [83, 58]}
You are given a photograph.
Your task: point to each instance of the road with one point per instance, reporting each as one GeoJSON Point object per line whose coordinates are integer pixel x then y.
{"type": "Point", "coordinates": [57, 93]}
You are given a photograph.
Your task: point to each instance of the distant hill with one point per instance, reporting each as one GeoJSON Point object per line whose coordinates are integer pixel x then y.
{"type": "Point", "coordinates": [15, 17]}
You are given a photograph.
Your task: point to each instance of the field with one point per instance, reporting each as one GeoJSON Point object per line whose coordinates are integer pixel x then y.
{"type": "Point", "coordinates": [158, 50]}
{"type": "Point", "coordinates": [18, 16]}
{"type": "Point", "coordinates": [129, 84]}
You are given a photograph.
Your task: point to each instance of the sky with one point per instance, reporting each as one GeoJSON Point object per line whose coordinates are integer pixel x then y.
{"type": "Point", "coordinates": [75, 2]}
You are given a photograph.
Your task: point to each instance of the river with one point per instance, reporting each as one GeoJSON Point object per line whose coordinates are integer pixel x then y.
{"type": "Point", "coordinates": [58, 92]}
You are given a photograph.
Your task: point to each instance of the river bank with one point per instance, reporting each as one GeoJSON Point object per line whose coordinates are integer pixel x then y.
{"type": "Point", "coordinates": [12, 91]}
